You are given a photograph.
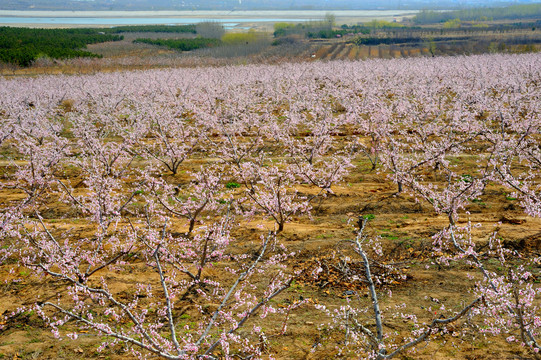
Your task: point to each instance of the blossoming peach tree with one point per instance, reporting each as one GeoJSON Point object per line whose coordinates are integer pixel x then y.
{"type": "Point", "coordinates": [130, 202]}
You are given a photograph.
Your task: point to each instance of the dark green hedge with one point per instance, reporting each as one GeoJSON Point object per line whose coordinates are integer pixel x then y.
{"type": "Point", "coordinates": [182, 44]}
{"type": "Point", "coordinates": [328, 33]}
{"type": "Point", "coordinates": [21, 46]}
{"type": "Point", "coordinates": [317, 31]}
{"type": "Point", "coordinates": [387, 40]}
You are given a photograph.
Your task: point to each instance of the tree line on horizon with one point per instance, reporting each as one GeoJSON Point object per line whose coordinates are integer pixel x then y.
{"type": "Point", "coordinates": [480, 14]}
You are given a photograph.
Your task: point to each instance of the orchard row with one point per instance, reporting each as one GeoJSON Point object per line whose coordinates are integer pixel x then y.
{"type": "Point", "coordinates": [140, 155]}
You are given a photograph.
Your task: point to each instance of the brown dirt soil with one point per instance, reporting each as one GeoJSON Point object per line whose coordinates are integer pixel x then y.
{"type": "Point", "coordinates": [404, 225]}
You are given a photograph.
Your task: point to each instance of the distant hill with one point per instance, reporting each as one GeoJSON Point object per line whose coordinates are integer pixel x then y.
{"type": "Point", "coordinates": [96, 5]}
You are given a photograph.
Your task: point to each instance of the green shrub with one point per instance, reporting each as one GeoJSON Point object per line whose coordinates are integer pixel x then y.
{"type": "Point", "coordinates": [232, 185]}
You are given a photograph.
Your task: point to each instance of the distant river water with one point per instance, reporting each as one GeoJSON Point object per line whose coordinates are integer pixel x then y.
{"type": "Point", "coordinates": [228, 18]}
{"type": "Point", "coordinates": [131, 21]}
